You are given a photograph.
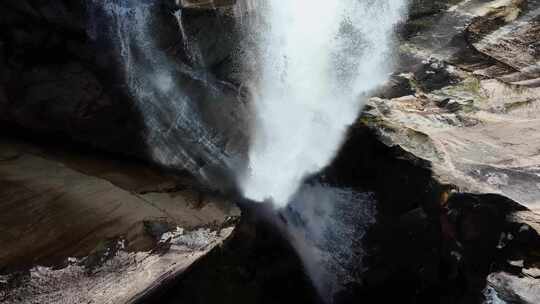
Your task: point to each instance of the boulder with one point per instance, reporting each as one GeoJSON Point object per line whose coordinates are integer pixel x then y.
{"type": "Point", "coordinates": [61, 203]}
{"type": "Point", "coordinates": [206, 4]}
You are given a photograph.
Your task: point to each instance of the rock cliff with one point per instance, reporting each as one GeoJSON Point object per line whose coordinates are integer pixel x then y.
{"type": "Point", "coordinates": [450, 144]}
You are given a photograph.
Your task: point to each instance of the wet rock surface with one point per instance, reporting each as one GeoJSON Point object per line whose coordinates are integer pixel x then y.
{"type": "Point", "coordinates": [111, 276]}
{"type": "Point", "coordinates": [453, 164]}
{"type": "Point", "coordinates": [58, 204]}
{"type": "Point", "coordinates": [256, 265]}
{"type": "Point", "coordinates": [63, 74]}
{"type": "Point", "coordinates": [101, 229]}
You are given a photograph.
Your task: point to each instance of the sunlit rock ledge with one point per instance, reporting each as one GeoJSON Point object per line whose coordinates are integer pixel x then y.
{"type": "Point", "coordinates": [473, 113]}
{"type": "Point", "coordinates": [453, 139]}
{"type": "Point", "coordinates": [237, 8]}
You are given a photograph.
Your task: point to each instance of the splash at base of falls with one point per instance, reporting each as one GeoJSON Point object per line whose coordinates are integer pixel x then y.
{"type": "Point", "coordinates": [326, 226]}
{"type": "Point", "coordinates": [317, 61]}
{"type": "Point", "coordinates": [314, 65]}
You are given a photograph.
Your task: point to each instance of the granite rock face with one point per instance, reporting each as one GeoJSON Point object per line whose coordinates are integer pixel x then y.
{"type": "Point", "coordinates": [474, 115]}
{"type": "Point", "coordinates": [451, 148]}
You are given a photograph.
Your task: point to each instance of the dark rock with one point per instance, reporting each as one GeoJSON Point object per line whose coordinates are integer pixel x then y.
{"type": "Point", "coordinates": [103, 252]}
{"type": "Point", "coordinates": [397, 86]}
{"type": "Point", "coordinates": [156, 228]}
{"type": "Point", "coordinates": [515, 289]}
{"type": "Point", "coordinates": [83, 199]}
{"type": "Point", "coordinates": [257, 265]}
{"type": "Point", "coordinates": [211, 36]}
{"type": "Point", "coordinates": [420, 8]}
{"type": "Point", "coordinates": [433, 75]}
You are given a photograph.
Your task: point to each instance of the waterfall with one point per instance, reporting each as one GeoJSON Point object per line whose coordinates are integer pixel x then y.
{"type": "Point", "coordinates": [309, 65]}
{"type": "Point", "coordinates": [314, 64]}
{"type": "Point", "coordinates": [317, 62]}
{"type": "Point", "coordinates": [325, 225]}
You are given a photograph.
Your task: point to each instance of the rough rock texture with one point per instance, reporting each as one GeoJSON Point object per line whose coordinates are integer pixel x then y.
{"type": "Point", "coordinates": [451, 149]}
{"type": "Point", "coordinates": [206, 4]}
{"type": "Point", "coordinates": [477, 129]}
{"type": "Point", "coordinates": [516, 289]}
{"type": "Point", "coordinates": [99, 226]}
{"type": "Point", "coordinates": [121, 277]}
{"type": "Point", "coordinates": [51, 77]}
{"type": "Point", "coordinates": [76, 69]}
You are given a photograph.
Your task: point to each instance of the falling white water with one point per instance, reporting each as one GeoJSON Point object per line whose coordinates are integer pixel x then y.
{"type": "Point", "coordinates": [317, 61]}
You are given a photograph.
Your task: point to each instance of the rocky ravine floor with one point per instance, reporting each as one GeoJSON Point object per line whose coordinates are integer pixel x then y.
{"type": "Point", "coordinates": [104, 230]}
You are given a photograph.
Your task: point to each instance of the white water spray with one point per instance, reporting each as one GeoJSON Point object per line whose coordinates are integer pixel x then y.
{"type": "Point", "coordinates": [326, 225]}
{"type": "Point", "coordinates": [318, 62]}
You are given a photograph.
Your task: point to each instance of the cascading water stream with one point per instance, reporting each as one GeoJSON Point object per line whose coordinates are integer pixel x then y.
{"type": "Point", "coordinates": [318, 61]}
{"type": "Point", "coordinates": [313, 64]}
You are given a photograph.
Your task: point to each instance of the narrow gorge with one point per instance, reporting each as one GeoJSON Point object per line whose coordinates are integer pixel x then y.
{"type": "Point", "coordinates": [265, 151]}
